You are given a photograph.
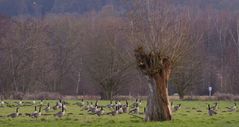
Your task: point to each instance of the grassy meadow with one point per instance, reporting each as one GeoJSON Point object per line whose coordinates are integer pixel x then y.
{"type": "Point", "coordinates": [188, 116]}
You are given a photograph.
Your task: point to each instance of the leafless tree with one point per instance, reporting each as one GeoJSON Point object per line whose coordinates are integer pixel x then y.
{"type": "Point", "coordinates": [165, 36]}
{"type": "Point", "coordinates": [187, 74]}
{"type": "Point", "coordinates": [106, 60]}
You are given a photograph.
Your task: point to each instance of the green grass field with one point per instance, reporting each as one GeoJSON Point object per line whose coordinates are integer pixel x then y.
{"type": "Point", "coordinates": [187, 116]}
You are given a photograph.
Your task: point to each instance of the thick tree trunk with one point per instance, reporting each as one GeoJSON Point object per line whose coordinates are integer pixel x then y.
{"type": "Point", "coordinates": [158, 106]}
{"type": "Point", "coordinates": [158, 70]}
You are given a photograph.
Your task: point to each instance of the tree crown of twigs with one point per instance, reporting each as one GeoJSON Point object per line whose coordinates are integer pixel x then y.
{"type": "Point", "coordinates": [152, 62]}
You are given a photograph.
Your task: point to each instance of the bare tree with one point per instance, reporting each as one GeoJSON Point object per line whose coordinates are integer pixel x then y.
{"type": "Point", "coordinates": [65, 36]}
{"type": "Point", "coordinates": [165, 35]}
{"type": "Point", "coordinates": [106, 61]}
{"type": "Point", "coordinates": [22, 52]}
{"type": "Point", "coordinates": [187, 75]}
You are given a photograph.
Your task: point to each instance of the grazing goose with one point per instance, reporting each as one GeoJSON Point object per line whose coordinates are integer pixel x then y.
{"type": "Point", "coordinates": [48, 108]}
{"type": "Point", "coordinates": [176, 108]}
{"type": "Point", "coordinates": [61, 113]}
{"type": "Point", "coordinates": [215, 107]}
{"type": "Point", "coordinates": [14, 115]}
{"type": "Point", "coordinates": [232, 108]}
{"type": "Point", "coordinates": [211, 112]}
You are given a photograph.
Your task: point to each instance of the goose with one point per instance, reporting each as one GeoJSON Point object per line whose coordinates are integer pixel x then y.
{"type": "Point", "coordinates": [96, 103]}
{"type": "Point", "coordinates": [110, 105]}
{"type": "Point", "coordinates": [64, 105]}
{"type": "Point", "coordinates": [215, 107]}
{"type": "Point", "coordinates": [2, 103]}
{"type": "Point", "coordinates": [55, 107]}
{"type": "Point", "coordinates": [115, 112]}
{"type": "Point", "coordinates": [87, 107]}
{"type": "Point", "coordinates": [33, 102]}
{"type": "Point", "coordinates": [41, 102]}
{"type": "Point", "coordinates": [59, 103]}
{"type": "Point", "coordinates": [140, 102]}
{"type": "Point", "coordinates": [126, 107]}
{"type": "Point", "coordinates": [211, 112]}
{"type": "Point", "coordinates": [61, 113]}
{"type": "Point", "coordinates": [81, 103]}
{"type": "Point", "coordinates": [120, 109]}
{"type": "Point", "coordinates": [136, 103]}
{"type": "Point", "coordinates": [116, 104]}
{"type": "Point", "coordinates": [176, 107]}
{"type": "Point", "coordinates": [100, 112]}
{"type": "Point", "coordinates": [145, 110]}
{"type": "Point", "coordinates": [48, 108]}
{"type": "Point", "coordinates": [93, 109]}
{"type": "Point", "coordinates": [135, 110]}
{"type": "Point", "coordinates": [14, 115]}
{"type": "Point", "coordinates": [91, 105]}
{"type": "Point", "coordinates": [232, 108]}
{"type": "Point", "coordinates": [37, 114]}
{"type": "Point", "coordinates": [20, 103]}
{"type": "Point", "coordinates": [31, 114]}
{"type": "Point", "coordinates": [119, 103]}
{"type": "Point", "coordinates": [35, 111]}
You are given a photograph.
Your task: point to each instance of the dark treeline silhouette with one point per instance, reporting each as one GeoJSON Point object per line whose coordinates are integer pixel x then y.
{"type": "Point", "coordinates": [83, 48]}
{"type": "Point", "coordinates": [43, 7]}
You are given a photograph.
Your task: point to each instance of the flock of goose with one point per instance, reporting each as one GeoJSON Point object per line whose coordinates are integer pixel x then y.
{"type": "Point", "coordinates": [212, 110]}
{"type": "Point", "coordinates": [92, 108]}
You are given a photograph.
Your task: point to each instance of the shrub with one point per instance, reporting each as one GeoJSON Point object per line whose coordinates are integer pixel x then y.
{"type": "Point", "coordinates": [226, 96]}
{"type": "Point", "coordinates": [43, 95]}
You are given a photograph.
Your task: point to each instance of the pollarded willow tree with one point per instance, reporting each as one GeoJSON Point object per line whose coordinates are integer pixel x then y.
{"type": "Point", "coordinates": [163, 35]}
